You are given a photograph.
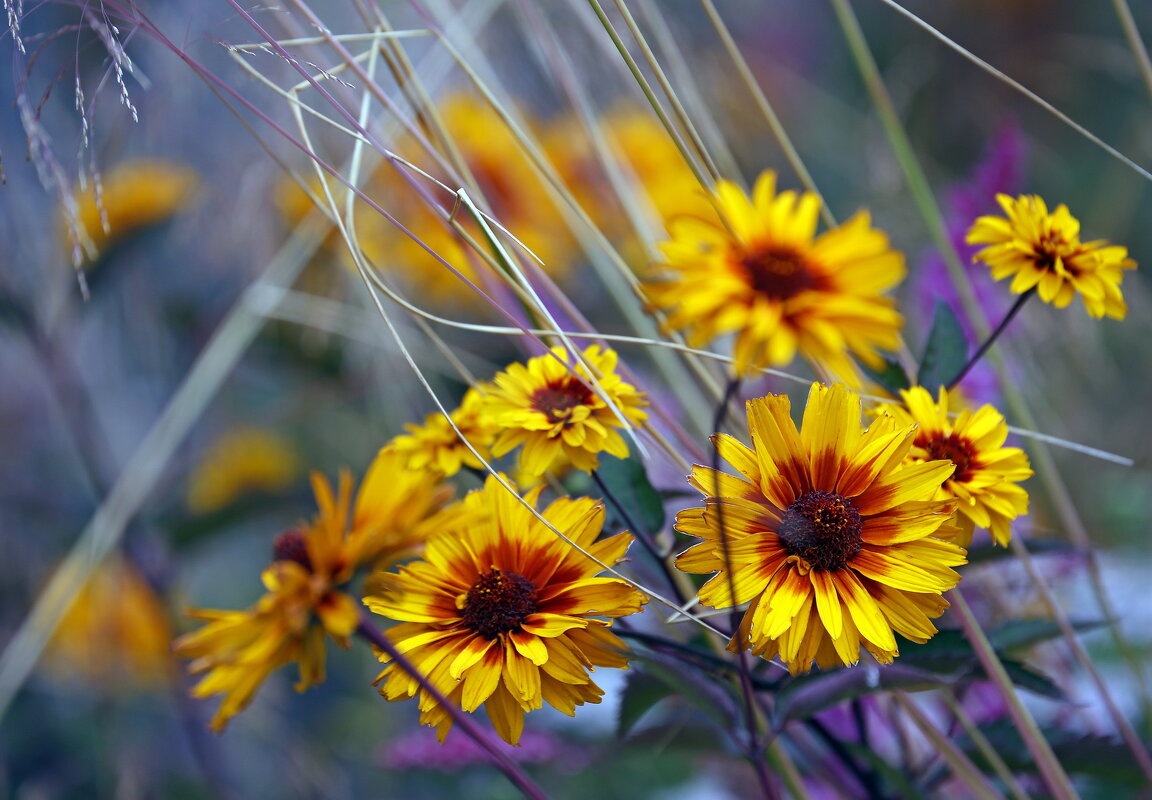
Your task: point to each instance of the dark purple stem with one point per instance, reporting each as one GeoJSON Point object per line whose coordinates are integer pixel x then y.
{"type": "Point", "coordinates": [755, 745]}
{"type": "Point", "coordinates": [992, 337]}
{"type": "Point", "coordinates": [500, 760]}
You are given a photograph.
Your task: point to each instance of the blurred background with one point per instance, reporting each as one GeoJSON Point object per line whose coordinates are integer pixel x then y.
{"type": "Point", "coordinates": [153, 329]}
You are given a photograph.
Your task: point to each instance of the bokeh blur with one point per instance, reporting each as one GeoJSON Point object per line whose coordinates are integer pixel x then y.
{"type": "Point", "coordinates": [207, 341]}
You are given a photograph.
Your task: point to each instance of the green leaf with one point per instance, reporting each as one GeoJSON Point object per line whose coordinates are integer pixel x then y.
{"type": "Point", "coordinates": [641, 693]}
{"type": "Point", "coordinates": [1096, 756]}
{"type": "Point", "coordinates": [628, 482]}
{"type": "Point", "coordinates": [987, 551]}
{"type": "Point", "coordinates": [891, 376]}
{"type": "Point", "coordinates": [817, 691]}
{"type": "Point", "coordinates": [1023, 633]}
{"type": "Point", "coordinates": [1031, 679]}
{"type": "Point", "coordinates": [715, 698]}
{"type": "Point", "coordinates": [950, 655]}
{"type": "Point", "coordinates": [946, 351]}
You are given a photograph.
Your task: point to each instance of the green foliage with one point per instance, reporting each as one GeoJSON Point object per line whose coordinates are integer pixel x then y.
{"type": "Point", "coordinates": [628, 482]}
{"type": "Point", "coordinates": [891, 376]}
{"type": "Point", "coordinates": [946, 350]}
{"type": "Point", "coordinates": [1099, 757]}
{"type": "Point", "coordinates": [812, 693]}
{"type": "Point", "coordinates": [641, 693]}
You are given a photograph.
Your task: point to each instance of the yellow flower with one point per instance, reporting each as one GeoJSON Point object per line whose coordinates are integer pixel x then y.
{"type": "Point", "coordinates": [779, 289]}
{"type": "Point", "coordinates": [984, 485]}
{"type": "Point", "coordinates": [647, 162]}
{"type": "Point", "coordinates": [831, 535]}
{"type": "Point", "coordinates": [239, 649]}
{"type": "Point", "coordinates": [133, 196]}
{"type": "Point", "coordinates": [394, 512]}
{"type": "Point", "coordinates": [505, 184]}
{"type": "Point", "coordinates": [116, 632]}
{"type": "Point", "coordinates": [505, 614]}
{"type": "Point", "coordinates": [1044, 251]}
{"type": "Point", "coordinates": [436, 445]}
{"type": "Point", "coordinates": [556, 411]}
{"type": "Point", "coordinates": [242, 461]}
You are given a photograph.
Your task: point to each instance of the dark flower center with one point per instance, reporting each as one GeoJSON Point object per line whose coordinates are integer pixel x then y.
{"type": "Point", "coordinates": [778, 272]}
{"type": "Point", "coordinates": [956, 449]}
{"type": "Point", "coordinates": [557, 399]}
{"type": "Point", "coordinates": [499, 602]}
{"type": "Point", "coordinates": [822, 528]}
{"type": "Point", "coordinates": [290, 546]}
{"type": "Point", "coordinates": [1051, 247]}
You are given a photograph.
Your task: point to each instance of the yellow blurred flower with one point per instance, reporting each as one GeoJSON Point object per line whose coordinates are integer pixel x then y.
{"type": "Point", "coordinates": [133, 196]}
{"type": "Point", "coordinates": [242, 461]}
{"type": "Point", "coordinates": [555, 410]}
{"type": "Point", "coordinates": [436, 445]}
{"type": "Point", "coordinates": [984, 486]}
{"type": "Point", "coordinates": [777, 287]}
{"type": "Point", "coordinates": [505, 614]}
{"type": "Point", "coordinates": [644, 158]}
{"type": "Point", "coordinates": [116, 633]}
{"type": "Point", "coordinates": [833, 540]}
{"type": "Point", "coordinates": [1042, 250]}
{"type": "Point", "coordinates": [305, 603]}
{"type": "Point", "coordinates": [508, 188]}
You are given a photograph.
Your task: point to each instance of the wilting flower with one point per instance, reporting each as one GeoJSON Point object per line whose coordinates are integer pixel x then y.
{"type": "Point", "coordinates": [1043, 250]}
{"type": "Point", "coordinates": [305, 603]}
{"type": "Point", "coordinates": [116, 632]}
{"type": "Point", "coordinates": [831, 535]}
{"type": "Point", "coordinates": [241, 461]}
{"type": "Point", "coordinates": [984, 486]}
{"type": "Point", "coordinates": [505, 614]}
{"type": "Point", "coordinates": [556, 410]}
{"type": "Point", "coordinates": [133, 196]}
{"type": "Point", "coordinates": [779, 289]}
{"type": "Point", "coordinates": [435, 445]}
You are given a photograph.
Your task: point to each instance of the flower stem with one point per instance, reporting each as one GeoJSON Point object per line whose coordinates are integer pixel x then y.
{"type": "Point", "coordinates": [866, 777]}
{"type": "Point", "coordinates": [1046, 762]}
{"type": "Point", "coordinates": [368, 630]}
{"type": "Point", "coordinates": [755, 746]}
{"type": "Point", "coordinates": [992, 337]}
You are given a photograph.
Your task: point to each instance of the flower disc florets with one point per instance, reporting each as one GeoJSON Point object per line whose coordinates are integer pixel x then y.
{"type": "Point", "coordinates": [822, 528]}
{"type": "Point", "coordinates": [498, 602]}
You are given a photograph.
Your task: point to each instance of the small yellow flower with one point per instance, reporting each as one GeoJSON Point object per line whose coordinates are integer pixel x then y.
{"type": "Point", "coordinates": [394, 512]}
{"type": "Point", "coordinates": [239, 649]}
{"type": "Point", "coordinates": [984, 486]}
{"type": "Point", "coordinates": [556, 410]}
{"type": "Point", "coordinates": [505, 614]}
{"type": "Point", "coordinates": [1043, 250]}
{"type": "Point", "coordinates": [832, 538]}
{"type": "Point", "coordinates": [435, 445]}
{"type": "Point", "coordinates": [777, 287]}
{"type": "Point", "coordinates": [133, 196]}
{"type": "Point", "coordinates": [116, 633]}
{"type": "Point", "coordinates": [242, 461]}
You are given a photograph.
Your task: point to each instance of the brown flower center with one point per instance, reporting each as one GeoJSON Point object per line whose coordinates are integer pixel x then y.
{"type": "Point", "coordinates": [290, 546]}
{"type": "Point", "coordinates": [822, 528]}
{"type": "Point", "coordinates": [499, 602]}
{"type": "Point", "coordinates": [557, 399]}
{"type": "Point", "coordinates": [1053, 246]}
{"type": "Point", "coordinates": [956, 449]}
{"type": "Point", "coordinates": [778, 272]}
